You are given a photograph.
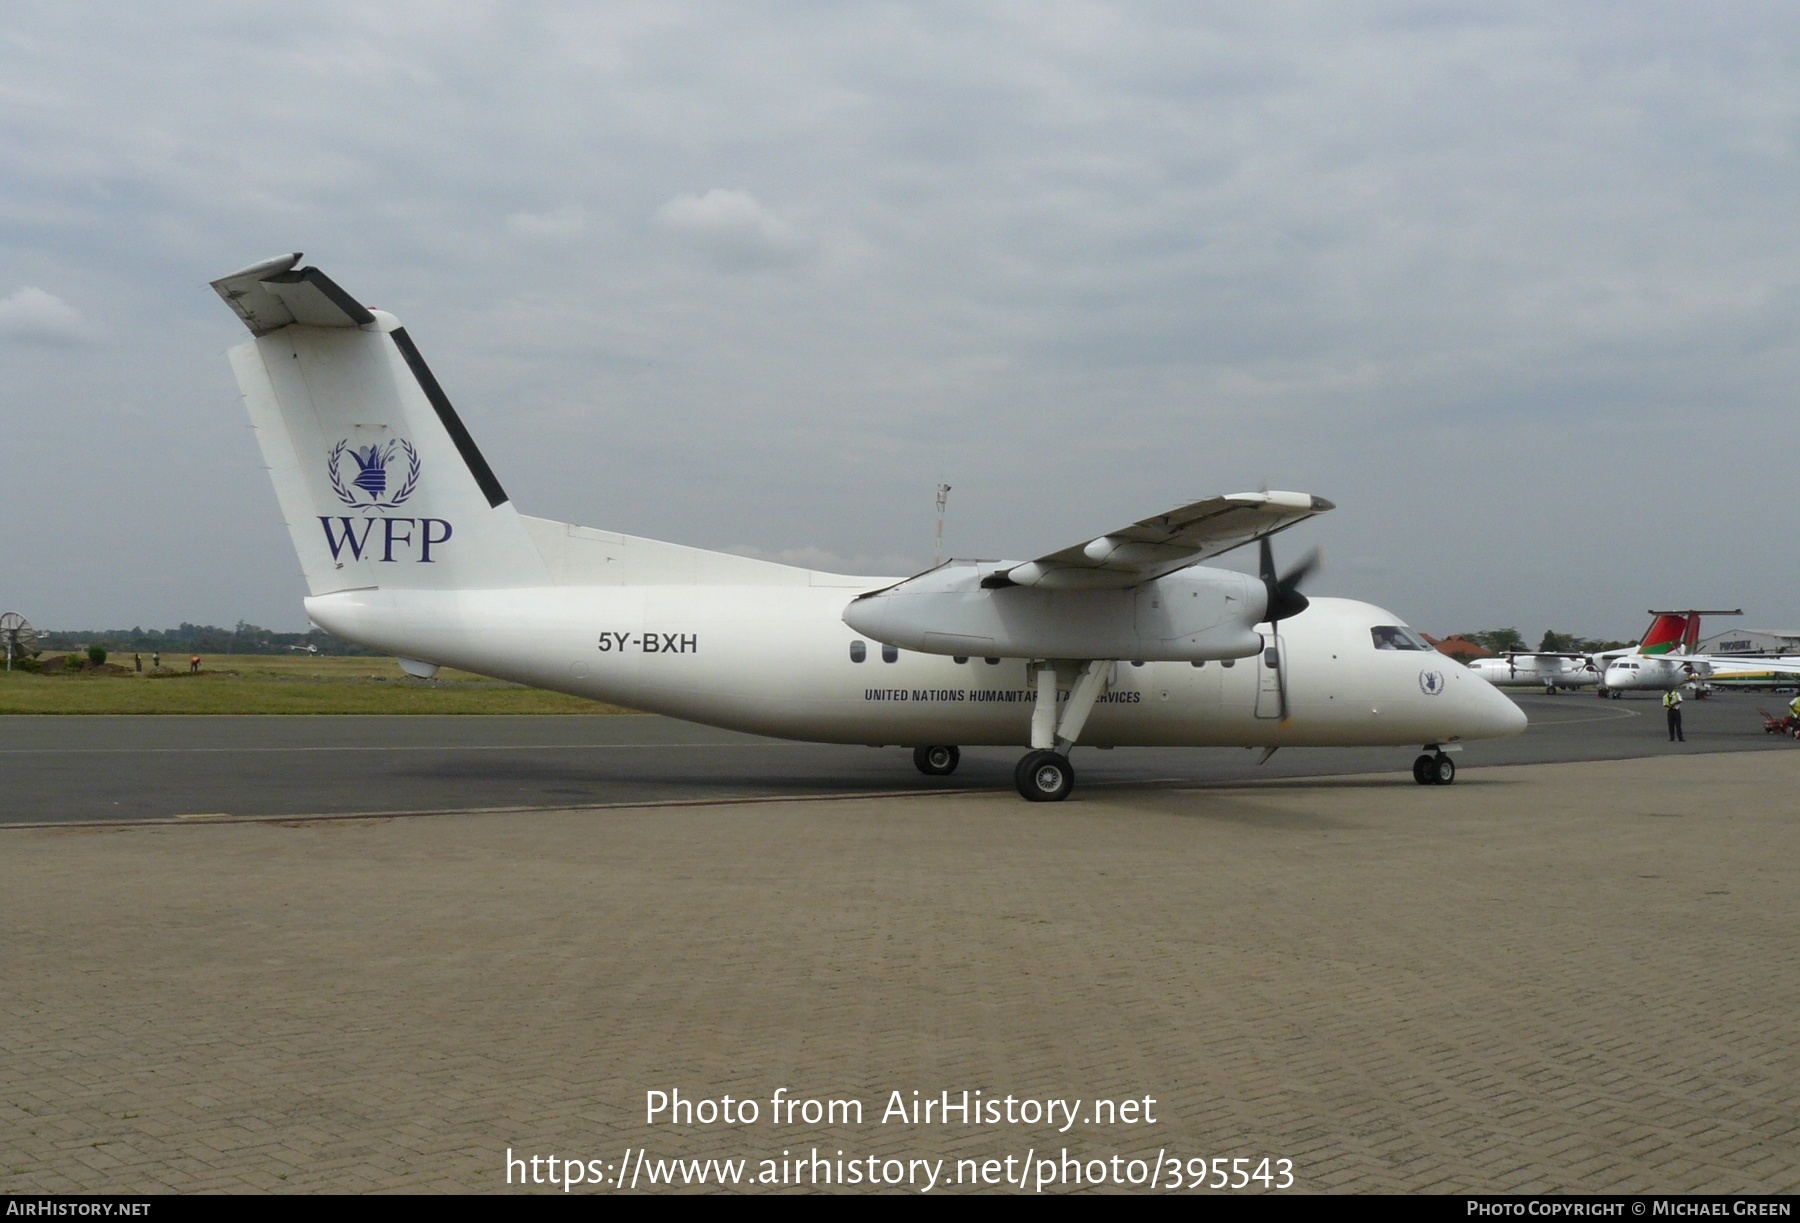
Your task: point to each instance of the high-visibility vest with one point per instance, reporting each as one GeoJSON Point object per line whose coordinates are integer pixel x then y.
{"type": "Point", "coordinates": [1671, 699]}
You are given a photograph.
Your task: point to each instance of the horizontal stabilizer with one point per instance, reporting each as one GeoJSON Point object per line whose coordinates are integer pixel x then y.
{"type": "Point", "coordinates": [273, 294]}
{"type": "Point", "coordinates": [1156, 546]}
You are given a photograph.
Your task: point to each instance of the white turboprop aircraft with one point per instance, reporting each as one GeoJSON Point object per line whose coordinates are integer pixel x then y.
{"type": "Point", "coordinates": [1666, 658]}
{"type": "Point", "coordinates": [409, 545]}
{"type": "Point", "coordinates": [1546, 669]}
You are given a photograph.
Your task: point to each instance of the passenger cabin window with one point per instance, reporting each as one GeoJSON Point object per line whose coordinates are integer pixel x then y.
{"type": "Point", "coordinates": [890, 653]}
{"type": "Point", "coordinates": [992, 662]}
{"type": "Point", "coordinates": [959, 659]}
{"type": "Point", "coordinates": [858, 651]}
{"type": "Point", "coordinates": [1397, 637]}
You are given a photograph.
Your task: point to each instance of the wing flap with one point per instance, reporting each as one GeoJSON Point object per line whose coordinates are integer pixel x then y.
{"type": "Point", "coordinates": [1152, 547]}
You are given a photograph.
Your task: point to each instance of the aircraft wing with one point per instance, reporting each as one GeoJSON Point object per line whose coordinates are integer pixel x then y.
{"type": "Point", "coordinates": [1156, 546]}
{"type": "Point", "coordinates": [1727, 667]}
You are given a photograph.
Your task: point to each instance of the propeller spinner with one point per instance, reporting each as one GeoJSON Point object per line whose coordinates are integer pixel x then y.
{"type": "Point", "coordinates": [1285, 599]}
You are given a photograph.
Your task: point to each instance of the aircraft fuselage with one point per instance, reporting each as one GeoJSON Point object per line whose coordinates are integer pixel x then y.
{"type": "Point", "coordinates": [779, 660]}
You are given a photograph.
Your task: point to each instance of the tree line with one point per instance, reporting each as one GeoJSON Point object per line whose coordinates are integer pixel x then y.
{"type": "Point", "coordinates": [245, 638]}
{"type": "Point", "coordinates": [1501, 640]}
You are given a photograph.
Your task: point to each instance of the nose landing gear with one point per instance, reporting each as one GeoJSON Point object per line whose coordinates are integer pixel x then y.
{"type": "Point", "coordinates": [1434, 769]}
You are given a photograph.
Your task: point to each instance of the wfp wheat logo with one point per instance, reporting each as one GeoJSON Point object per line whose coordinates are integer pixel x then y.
{"type": "Point", "coordinates": [371, 478]}
{"type": "Point", "coordinates": [374, 479]}
{"type": "Point", "coordinates": [1431, 682]}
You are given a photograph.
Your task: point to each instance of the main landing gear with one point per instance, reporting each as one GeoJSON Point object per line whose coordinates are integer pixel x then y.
{"type": "Point", "coordinates": [1044, 777]}
{"type": "Point", "coordinates": [1044, 774]}
{"type": "Point", "coordinates": [1434, 769]}
{"type": "Point", "coordinates": [937, 760]}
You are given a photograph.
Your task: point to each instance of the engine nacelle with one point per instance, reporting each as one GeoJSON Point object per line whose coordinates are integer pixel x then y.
{"type": "Point", "coordinates": [1193, 615]}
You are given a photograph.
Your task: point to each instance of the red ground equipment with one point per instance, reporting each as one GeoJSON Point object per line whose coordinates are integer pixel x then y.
{"type": "Point", "coordinates": [1779, 723]}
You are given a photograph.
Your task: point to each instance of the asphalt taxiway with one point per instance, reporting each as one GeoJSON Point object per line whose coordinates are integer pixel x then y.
{"type": "Point", "coordinates": [79, 769]}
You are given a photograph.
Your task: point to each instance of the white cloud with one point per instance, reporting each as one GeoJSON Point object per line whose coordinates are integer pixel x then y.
{"type": "Point", "coordinates": [32, 316]}
{"type": "Point", "coordinates": [731, 229]}
{"type": "Point", "coordinates": [556, 226]}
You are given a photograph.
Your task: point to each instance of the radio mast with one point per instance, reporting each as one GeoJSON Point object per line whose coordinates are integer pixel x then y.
{"type": "Point", "coordinates": [943, 497]}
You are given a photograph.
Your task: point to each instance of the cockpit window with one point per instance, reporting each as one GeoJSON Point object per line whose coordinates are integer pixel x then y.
{"type": "Point", "coordinates": [1397, 637]}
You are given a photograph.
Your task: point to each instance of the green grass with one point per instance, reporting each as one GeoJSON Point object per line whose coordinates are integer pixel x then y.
{"type": "Point", "coordinates": [276, 684]}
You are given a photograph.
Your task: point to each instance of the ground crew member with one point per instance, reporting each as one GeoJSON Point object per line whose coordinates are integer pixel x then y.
{"type": "Point", "coordinates": [1672, 703]}
{"type": "Point", "coordinates": [1794, 712]}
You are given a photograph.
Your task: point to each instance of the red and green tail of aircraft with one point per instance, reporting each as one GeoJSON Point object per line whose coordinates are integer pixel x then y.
{"type": "Point", "coordinates": [1678, 632]}
{"type": "Point", "coordinates": [1668, 631]}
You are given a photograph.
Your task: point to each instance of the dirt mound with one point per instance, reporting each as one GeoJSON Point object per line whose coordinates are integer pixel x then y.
{"type": "Point", "coordinates": [58, 664]}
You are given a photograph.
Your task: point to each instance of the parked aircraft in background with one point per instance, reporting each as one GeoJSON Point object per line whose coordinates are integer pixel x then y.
{"type": "Point", "coordinates": [409, 545]}
{"type": "Point", "coordinates": [1550, 670]}
{"type": "Point", "coordinates": [1665, 660]}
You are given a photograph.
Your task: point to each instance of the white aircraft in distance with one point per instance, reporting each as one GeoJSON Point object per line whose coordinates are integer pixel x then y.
{"type": "Point", "coordinates": [1547, 669]}
{"type": "Point", "coordinates": [409, 545]}
{"type": "Point", "coordinates": [1665, 659]}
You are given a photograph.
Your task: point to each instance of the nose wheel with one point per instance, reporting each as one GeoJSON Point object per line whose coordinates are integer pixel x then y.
{"type": "Point", "coordinates": [1434, 769]}
{"type": "Point", "coordinates": [937, 760]}
{"type": "Point", "coordinates": [1044, 777]}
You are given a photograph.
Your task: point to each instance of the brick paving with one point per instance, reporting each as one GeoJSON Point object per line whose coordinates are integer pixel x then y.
{"type": "Point", "coordinates": [1557, 977]}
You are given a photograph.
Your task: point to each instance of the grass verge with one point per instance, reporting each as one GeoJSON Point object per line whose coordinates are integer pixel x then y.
{"type": "Point", "coordinates": [277, 684]}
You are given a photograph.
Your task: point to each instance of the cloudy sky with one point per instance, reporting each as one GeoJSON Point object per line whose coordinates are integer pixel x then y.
{"type": "Point", "coordinates": [1514, 285]}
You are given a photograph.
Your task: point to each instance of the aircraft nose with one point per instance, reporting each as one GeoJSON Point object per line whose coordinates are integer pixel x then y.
{"type": "Point", "coordinates": [1495, 712]}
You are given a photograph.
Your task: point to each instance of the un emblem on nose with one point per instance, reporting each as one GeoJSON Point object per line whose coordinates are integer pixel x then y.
{"type": "Point", "coordinates": [1431, 682]}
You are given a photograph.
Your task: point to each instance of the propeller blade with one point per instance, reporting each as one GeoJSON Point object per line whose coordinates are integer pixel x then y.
{"type": "Point", "coordinates": [1285, 599]}
{"type": "Point", "coordinates": [1280, 671]}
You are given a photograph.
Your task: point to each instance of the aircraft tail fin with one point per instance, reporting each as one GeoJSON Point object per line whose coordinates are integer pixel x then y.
{"type": "Point", "coordinates": [379, 481]}
{"type": "Point", "coordinates": [1666, 631]}
{"type": "Point", "coordinates": [1678, 632]}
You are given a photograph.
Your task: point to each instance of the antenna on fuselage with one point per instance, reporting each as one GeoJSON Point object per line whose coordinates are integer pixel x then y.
{"type": "Point", "coordinates": [943, 499]}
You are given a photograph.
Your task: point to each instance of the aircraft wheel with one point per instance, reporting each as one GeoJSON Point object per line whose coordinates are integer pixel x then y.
{"type": "Point", "coordinates": [936, 760]}
{"type": "Point", "coordinates": [1044, 777]}
{"type": "Point", "coordinates": [1422, 770]}
{"type": "Point", "coordinates": [1443, 770]}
